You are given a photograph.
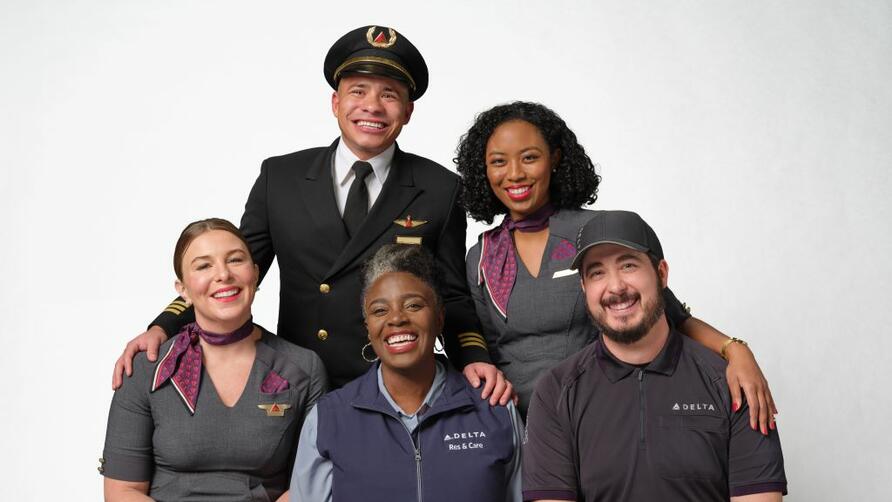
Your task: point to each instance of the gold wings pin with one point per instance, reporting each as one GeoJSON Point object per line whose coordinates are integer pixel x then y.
{"type": "Point", "coordinates": [274, 409]}
{"type": "Point", "coordinates": [408, 222]}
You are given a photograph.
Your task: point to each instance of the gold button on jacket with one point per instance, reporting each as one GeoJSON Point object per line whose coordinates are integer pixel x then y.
{"type": "Point", "coordinates": [322, 335]}
{"type": "Point", "coordinates": [324, 288]}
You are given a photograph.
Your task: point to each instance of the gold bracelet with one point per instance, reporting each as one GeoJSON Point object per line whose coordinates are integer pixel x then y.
{"type": "Point", "coordinates": [729, 342]}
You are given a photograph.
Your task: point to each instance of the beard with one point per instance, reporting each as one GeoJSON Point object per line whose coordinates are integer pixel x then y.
{"type": "Point", "coordinates": [652, 312]}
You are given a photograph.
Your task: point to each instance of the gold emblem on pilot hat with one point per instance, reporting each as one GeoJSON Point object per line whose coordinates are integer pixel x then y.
{"type": "Point", "coordinates": [379, 40]}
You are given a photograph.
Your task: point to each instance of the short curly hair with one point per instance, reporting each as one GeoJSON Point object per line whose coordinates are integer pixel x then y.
{"type": "Point", "coordinates": [573, 185]}
{"type": "Point", "coordinates": [408, 258]}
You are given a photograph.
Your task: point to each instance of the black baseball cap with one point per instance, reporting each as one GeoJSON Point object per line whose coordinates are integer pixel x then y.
{"type": "Point", "coordinates": [377, 50]}
{"type": "Point", "coordinates": [624, 228]}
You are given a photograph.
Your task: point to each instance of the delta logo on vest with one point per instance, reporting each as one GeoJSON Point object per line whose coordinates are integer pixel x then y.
{"type": "Point", "coordinates": [463, 441]}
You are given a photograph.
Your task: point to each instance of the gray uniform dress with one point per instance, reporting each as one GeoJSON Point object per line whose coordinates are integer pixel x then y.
{"type": "Point", "coordinates": [219, 453]}
{"type": "Point", "coordinates": [547, 318]}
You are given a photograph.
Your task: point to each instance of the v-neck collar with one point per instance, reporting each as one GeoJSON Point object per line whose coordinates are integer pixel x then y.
{"type": "Point", "coordinates": [543, 260]}
{"type": "Point", "coordinates": [248, 383]}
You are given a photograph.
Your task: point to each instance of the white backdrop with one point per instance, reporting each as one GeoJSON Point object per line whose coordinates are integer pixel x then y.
{"type": "Point", "coordinates": [754, 136]}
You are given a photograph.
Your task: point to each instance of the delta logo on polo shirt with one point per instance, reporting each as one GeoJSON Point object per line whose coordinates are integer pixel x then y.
{"type": "Point", "coordinates": [693, 407]}
{"type": "Point", "coordinates": [459, 441]}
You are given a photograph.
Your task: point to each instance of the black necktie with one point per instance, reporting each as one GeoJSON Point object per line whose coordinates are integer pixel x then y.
{"type": "Point", "coordinates": [357, 198]}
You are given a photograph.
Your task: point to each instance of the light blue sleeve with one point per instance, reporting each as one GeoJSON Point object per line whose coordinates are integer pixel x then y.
{"type": "Point", "coordinates": [311, 477]}
{"type": "Point", "coordinates": [514, 492]}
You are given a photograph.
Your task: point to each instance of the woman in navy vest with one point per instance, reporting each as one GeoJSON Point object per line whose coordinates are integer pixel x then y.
{"type": "Point", "coordinates": [411, 428]}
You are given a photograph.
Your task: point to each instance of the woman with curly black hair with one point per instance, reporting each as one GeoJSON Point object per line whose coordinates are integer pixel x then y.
{"type": "Point", "coordinates": [573, 179]}
{"type": "Point", "coordinates": [521, 160]}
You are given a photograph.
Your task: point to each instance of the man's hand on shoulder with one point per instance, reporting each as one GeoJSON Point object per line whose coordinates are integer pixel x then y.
{"type": "Point", "coordinates": [496, 387]}
{"type": "Point", "coordinates": [148, 342]}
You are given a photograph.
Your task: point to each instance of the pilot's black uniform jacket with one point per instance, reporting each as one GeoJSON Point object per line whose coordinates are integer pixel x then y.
{"type": "Point", "coordinates": [291, 214]}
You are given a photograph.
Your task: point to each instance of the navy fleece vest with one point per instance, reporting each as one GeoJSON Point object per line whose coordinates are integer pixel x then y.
{"type": "Point", "coordinates": [463, 445]}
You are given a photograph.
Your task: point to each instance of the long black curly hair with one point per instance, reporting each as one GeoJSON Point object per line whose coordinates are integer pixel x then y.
{"type": "Point", "coordinates": [573, 184]}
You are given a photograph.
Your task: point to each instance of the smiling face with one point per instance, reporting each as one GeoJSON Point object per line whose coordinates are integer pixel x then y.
{"type": "Point", "coordinates": [403, 319]}
{"type": "Point", "coordinates": [219, 279]}
{"type": "Point", "coordinates": [518, 167]}
{"type": "Point", "coordinates": [623, 291]}
{"type": "Point", "coordinates": [371, 112]}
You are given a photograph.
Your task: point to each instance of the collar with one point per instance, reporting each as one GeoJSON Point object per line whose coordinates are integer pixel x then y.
{"type": "Point", "coordinates": [455, 393]}
{"type": "Point", "coordinates": [665, 362]}
{"type": "Point", "coordinates": [344, 159]}
{"type": "Point", "coordinates": [432, 394]}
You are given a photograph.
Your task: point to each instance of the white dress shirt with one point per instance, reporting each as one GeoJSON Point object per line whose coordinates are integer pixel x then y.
{"type": "Point", "coordinates": [342, 173]}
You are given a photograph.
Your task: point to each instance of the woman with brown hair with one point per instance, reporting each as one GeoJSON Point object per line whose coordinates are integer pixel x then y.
{"type": "Point", "coordinates": [217, 417]}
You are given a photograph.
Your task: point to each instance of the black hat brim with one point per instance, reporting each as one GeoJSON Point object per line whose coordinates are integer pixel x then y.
{"type": "Point", "coordinates": [375, 65]}
{"type": "Point", "coordinates": [577, 260]}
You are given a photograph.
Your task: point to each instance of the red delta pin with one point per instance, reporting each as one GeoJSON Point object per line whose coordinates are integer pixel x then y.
{"type": "Point", "coordinates": [274, 409]}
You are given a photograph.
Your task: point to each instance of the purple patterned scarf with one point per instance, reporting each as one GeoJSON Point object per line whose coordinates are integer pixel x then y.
{"type": "Point", "coordinates": [498, 265]}
{"type": "Point", "coordinates": [182, 363]}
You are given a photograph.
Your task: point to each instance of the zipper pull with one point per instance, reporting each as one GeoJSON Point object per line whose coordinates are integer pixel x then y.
{"type": "Point", "coordinates": [640, 374]}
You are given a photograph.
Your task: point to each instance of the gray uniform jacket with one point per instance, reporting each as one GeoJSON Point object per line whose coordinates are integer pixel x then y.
{"type": "Point", "coordinates": [547, 318]}
{"type": "Point", "coordinates": [219, 453]}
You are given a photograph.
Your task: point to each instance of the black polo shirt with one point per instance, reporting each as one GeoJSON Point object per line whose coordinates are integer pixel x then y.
{"type": "Point", "coordinates": [600, 429]}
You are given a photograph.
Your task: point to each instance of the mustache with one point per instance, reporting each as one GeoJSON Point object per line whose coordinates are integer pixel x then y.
{"type": "Point", "coordinates": [623, 298]}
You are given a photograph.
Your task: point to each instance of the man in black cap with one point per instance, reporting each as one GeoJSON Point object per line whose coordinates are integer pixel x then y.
{"type": "Point", "coordinates": [643, 413]}
{"type": "Point", "coordinates": [324, 211]}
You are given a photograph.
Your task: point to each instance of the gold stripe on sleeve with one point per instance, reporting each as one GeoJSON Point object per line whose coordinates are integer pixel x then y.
{"type": "Point", "coordinates": [471, 338]}
{"type": "Point", "coordinates": [470, 335]}
{"type": "Point", "coordinates": [475, 344]}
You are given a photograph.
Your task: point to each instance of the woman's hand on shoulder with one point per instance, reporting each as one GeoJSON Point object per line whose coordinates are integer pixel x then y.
{"type": "Point", "coordinates": [744, 375]}
{"type": "Point", "coordinates": [496, 387]}
{"type": "Point", "coordinates": [148, 342]}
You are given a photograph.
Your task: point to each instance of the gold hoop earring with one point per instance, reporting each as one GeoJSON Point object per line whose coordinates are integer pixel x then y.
{"type": "Point", "coordinates": [366, 358]}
